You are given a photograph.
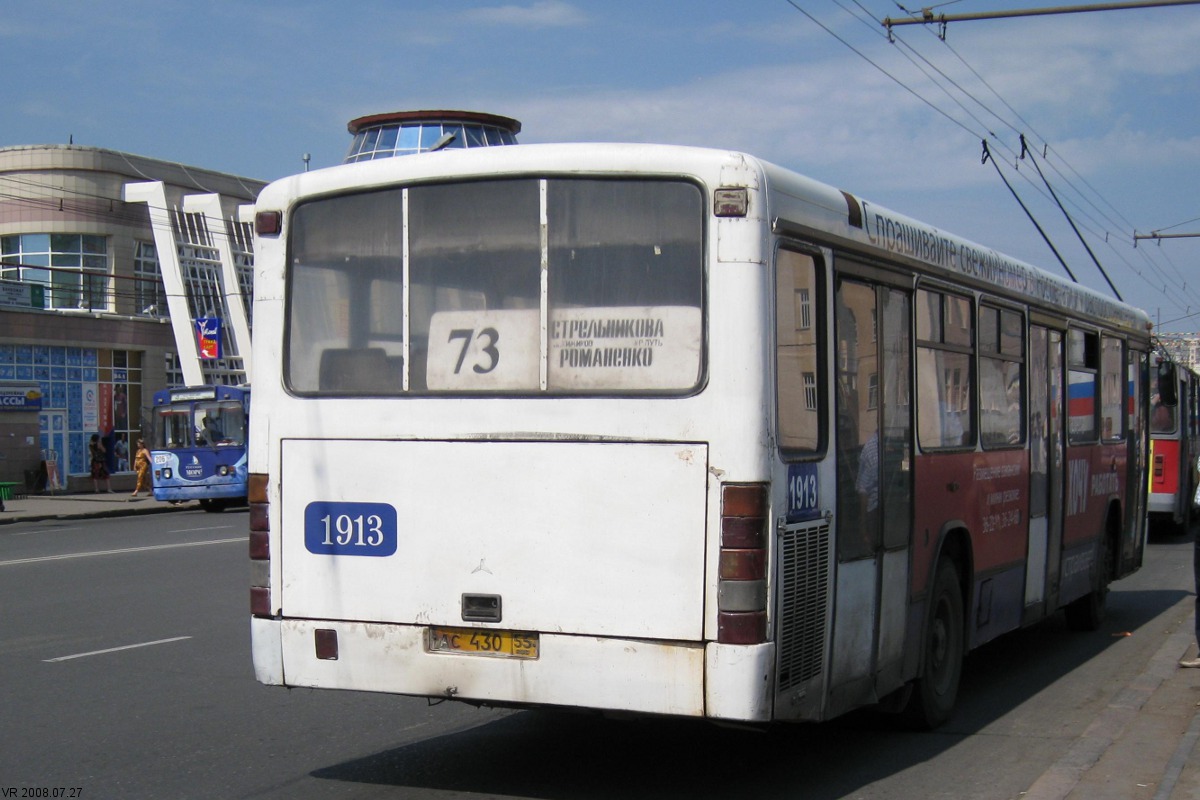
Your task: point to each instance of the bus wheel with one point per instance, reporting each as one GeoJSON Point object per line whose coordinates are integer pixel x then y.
{"type": "Point", "coordinates": [935, 692]}
{"type": "Point", "coordinates": [213, 505]}
{"type": "Point", "coordinates": [1088, 612]}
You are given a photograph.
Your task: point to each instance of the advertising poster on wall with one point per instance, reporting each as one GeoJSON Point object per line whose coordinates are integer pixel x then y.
{"type": "Point", "coordinates": [208, 338]}
{"type": "Point", "coordinates": [91, 407]}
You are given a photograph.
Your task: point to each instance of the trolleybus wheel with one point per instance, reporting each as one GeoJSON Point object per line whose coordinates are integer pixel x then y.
{"type": "Point", "coordinates": [1088, 612]}
{"type": "Point", "coordinates": [935, 692]}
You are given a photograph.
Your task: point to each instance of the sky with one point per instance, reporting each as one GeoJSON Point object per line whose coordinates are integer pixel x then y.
{"type": "Point", "coordinates": [1108, 102]}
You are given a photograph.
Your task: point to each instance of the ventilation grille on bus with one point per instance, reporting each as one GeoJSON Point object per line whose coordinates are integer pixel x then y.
{"type": "Point", "coordinates": [804, 578]}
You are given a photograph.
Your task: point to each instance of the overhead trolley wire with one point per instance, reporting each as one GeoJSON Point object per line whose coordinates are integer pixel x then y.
{"type": "Point", "coordinates": [1100, 226]}
{"type": "Point", "coordinates": [1071, 222]}
{"type": "Point", "coordinates": [987, 156]}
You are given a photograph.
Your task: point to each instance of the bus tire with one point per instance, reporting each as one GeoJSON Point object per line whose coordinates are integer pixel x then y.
{"type": "Point", "coordinates": [1088, 612]}
{"type": "Point", "coordinates": [936, 691]}
{"type": "Point", "coordinates": [213, 506]}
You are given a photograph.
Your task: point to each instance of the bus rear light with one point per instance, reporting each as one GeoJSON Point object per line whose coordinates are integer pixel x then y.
{"type": "Point", "coordinates": [741, 596]}
{"type": "Point", "coordinates": [268, 223]}
{"type": "Point", "coordinates": [326, 642]}
{"type": "Point", "coordinates": [260, 601]}
{"type": "Point", "coordinates": [260, 546]}
{"type": "Point", "coordinates": [256, 494]}
{"type": "Point", "coordinates": [742, 627]}
{"type": "Point", "coordinates": [742, 565]}
{"type": "Point", "coordinates": [744, 500]}
{"type": "Point", "coordinates": [731, 202]}
{"type": "Point", "coordinates": [256, 487]}
{"type": "Point", "coordinates": [1158, 468]}
{"type": "Point", "coordinates": [259, 520]}
{"type": "Point", "coordinates": [742, 531]}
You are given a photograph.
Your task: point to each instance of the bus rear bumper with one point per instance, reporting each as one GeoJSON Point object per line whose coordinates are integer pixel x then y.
{"type": "Point", "coordinates": [622, 675]}
{"type": "Point", "coordinates": [183, 494]}
{"type": "Point", "coordinates": [1159, 503]}
{"type": "Point", "coordinates": [739, 681]}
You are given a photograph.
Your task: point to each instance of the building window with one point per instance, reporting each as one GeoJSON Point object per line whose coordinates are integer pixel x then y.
{"type": "Point", "coordinates": [810, 391]}
{"type": "Point", "coordinates": [804, 302]}
{"type": "Point", "coordinates": [73, 267]}
{"type": "Point", "coordinates": [150, 296]}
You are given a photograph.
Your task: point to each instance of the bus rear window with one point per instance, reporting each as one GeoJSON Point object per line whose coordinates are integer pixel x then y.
{"type": "Point", "coordinates": [529, 286]}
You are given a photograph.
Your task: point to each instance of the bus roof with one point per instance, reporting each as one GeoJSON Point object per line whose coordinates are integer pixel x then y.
{"type": "Point", "coordinates": [796, 202]}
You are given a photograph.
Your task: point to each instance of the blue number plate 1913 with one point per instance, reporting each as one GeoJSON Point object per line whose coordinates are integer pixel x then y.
{"type": "Point", "coordinates": [350, 529]}
{"type": "Point", "coordinates": [804, 497]}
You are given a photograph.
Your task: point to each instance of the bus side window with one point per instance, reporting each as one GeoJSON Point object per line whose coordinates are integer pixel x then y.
{"type": "Point", "coordinates": [1083, 353]}
{"type": "Point", "coordinates": [797, 340]}
{"type": "Point", "coordinates": [945, 346]}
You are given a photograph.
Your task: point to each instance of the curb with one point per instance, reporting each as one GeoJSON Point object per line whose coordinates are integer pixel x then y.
{"type": "Point", "coordinates": [9, 518]}
{"type": "Point", "coordinates": [1065, 775]}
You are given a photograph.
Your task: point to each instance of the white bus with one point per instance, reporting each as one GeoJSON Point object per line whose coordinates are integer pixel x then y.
{"type": "Point", "coordinates": [667, 430]}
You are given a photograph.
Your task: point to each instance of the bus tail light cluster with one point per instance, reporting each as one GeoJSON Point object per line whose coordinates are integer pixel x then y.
{"type": "Point", "coordinates": [742, 570]}
{"type": "Point", "coordinates": [260, 546]}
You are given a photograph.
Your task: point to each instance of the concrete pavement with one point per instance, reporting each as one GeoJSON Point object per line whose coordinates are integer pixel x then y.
{"type": "Point", "coordinates": [1144, 746]}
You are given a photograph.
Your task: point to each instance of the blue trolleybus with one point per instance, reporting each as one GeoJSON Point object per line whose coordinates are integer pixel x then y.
{"type": "Point", "coordinates": [200, 445]}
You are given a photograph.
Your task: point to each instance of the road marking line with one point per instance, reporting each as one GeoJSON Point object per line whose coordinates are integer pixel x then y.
{"type": "Point", "coordinates": [117, 552]}
{"type": "Point", "coordinates": [210, 528]}
{"type": "Point", "coordinates": [115, 649]}
{"type": "Point", "coordinates": [48, 530]}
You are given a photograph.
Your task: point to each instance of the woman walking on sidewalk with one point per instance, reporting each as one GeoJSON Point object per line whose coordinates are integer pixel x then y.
{"type": "Point", "coordinates": [99, 468]}
{"type": "Point", "coordinates": [141, 465]}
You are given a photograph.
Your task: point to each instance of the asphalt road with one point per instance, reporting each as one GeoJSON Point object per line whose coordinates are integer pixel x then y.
{"type": "Point", "coordinates": [125, 672]}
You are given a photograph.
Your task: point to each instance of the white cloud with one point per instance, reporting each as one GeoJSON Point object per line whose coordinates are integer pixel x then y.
{"type": "Point", "coordinates": [540, 14]}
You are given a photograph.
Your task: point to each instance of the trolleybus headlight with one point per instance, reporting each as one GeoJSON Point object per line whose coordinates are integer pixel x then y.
{"type": "Point", "coordinates": [166, 473]}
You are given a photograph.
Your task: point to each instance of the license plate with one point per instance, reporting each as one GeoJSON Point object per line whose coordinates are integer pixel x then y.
{"type": "Point", "coordinates": [480, 642]}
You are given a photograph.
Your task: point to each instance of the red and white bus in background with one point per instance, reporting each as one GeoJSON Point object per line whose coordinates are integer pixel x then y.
{"type": "Point", "coordinates": [668, 430]}
{"type": "Point", "coordinates": [1174, 446]}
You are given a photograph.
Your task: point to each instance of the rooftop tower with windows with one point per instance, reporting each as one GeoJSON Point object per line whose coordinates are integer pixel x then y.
{"type": "Point", "coordinates": [403, 133]}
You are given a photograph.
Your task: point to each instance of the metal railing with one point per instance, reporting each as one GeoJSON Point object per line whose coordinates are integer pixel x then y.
{"type": "Point", "coordinates": [74, 289]}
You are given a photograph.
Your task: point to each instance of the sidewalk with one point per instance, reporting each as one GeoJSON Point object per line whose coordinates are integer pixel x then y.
{"type": "Point", "coordinates": [73, 506]}
{"type": "Point", "coordinates": [1143, 746]}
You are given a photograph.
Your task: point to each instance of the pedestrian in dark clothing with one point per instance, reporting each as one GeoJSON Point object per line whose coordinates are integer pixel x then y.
{"type": "Point", "coordinates": [98, 454]}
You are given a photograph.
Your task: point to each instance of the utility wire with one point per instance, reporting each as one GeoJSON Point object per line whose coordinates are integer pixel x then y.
{"type": "Point", "coordinates": [893, 78]}
{"type": "Point", "coordinates": [1100, 229]}
{"type": "Point", "coordinates": [1103, 233]}
{"type": "Point", "coordinates": [987, 156]}
{"type": "Point", "coordinates": [1070, 221]}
